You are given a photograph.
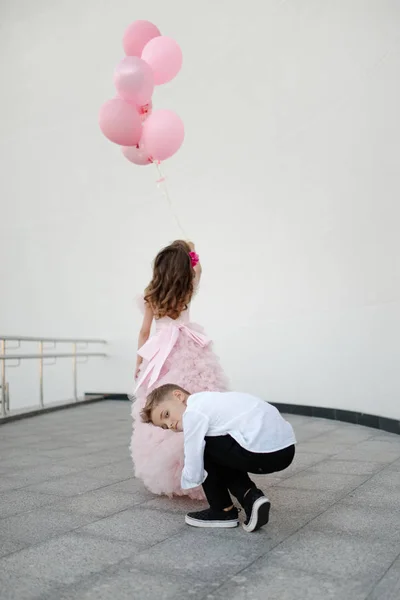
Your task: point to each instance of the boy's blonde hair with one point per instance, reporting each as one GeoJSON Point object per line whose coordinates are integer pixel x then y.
{"type": "Point", "coordinates": [156, 397]}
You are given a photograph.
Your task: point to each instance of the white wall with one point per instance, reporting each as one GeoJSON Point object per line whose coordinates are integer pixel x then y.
{"type": "Point", "coordinates": [288, 181]}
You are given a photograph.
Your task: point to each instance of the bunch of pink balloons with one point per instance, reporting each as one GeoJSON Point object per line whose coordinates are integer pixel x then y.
{"type": "Point", "coordinates": [128, 119]}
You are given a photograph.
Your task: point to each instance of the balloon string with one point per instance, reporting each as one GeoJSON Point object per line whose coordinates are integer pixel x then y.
{"type": "Point", "coordinates": [163, 186]}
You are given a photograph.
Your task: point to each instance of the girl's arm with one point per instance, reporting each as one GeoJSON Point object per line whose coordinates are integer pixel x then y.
{"type": "Point", "coordinates": [197, 274]}
{"type": "Point", "coordinates": [144, 334]}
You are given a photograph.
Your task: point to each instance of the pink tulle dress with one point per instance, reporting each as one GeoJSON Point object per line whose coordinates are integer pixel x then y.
{"type": "Point", "coordinates": [178, 352]}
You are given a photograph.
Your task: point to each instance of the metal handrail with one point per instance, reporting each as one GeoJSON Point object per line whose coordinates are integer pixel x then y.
{"type": "Point", "coordinates": [46, 355]}
{"type": "Point", "coordinates": [21, 338]}
{"type": "Point", "coordinates": [41, 356]}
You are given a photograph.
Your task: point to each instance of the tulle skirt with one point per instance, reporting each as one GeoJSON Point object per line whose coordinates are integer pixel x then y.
{"type": "Point", "coordinates": [157, 453]}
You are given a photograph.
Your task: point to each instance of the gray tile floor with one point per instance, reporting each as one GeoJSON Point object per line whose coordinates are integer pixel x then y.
{"type": "Point", "coordinates": [76, 525]}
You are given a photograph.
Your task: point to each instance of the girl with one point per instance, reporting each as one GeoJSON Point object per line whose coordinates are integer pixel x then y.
{"type": "Point", "coordinates": [178, 353]}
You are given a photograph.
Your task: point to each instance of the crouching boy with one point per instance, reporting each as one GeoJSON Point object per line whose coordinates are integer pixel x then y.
{"type": "Point", "coordinates": [226, 436]}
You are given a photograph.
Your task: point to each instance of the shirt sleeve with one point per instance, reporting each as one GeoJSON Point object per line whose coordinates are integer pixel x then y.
{"type": "Point", "coordinates": [195, 427]}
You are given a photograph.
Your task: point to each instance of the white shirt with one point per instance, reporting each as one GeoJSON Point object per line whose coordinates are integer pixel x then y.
{"type": "Point", "coordinates": [256, 425]}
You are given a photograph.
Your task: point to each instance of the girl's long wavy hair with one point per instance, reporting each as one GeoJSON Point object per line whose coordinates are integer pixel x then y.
{"type": "Point", "coordinates": [172, 285]}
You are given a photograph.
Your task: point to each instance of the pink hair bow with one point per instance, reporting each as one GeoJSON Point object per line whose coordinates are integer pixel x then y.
{"type": "Point", "coordinates": [194, 258]}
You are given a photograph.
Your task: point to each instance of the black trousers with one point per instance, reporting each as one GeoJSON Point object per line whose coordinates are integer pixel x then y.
{"type": "Point", "coordinates": [228, 464]}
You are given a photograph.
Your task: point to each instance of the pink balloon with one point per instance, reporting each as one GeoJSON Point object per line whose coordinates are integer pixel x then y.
{"type": "Point", "coordinates": [134, 80]}
{"type": "Point", "coordinates": [165, 58]}
{"type": "Point", "coordinates": [136, 155]}
{"type": "Point", "coordinates": [120, 122]}
{"type": "Point", "coordinates": [137, 35]}
{"type": "Point", "coordinates": [163, 134]}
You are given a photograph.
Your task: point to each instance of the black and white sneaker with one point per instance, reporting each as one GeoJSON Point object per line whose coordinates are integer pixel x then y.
{"type": "Point", "coordinates": [213, 518]}
{"type": "Point", "coordinates": [256, 507]}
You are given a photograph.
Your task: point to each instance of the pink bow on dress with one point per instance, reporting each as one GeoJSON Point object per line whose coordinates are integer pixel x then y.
{"type": "Point", "coordinates": [157, 349]}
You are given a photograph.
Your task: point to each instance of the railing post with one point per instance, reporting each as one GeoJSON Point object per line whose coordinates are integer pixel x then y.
{"type": "Point", "coordinates": [3, 379]}
{"type": "Point", "coordinates": [75, 374]}
{"type": "Point", "coordinates": [41, 392]}
{"type": "Point", "coordinates": [7, 398]}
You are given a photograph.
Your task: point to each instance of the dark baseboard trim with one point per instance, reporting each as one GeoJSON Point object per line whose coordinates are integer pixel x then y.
{"type": "Point", "coordinates": [109, 396]}
{"type": "Point", "coordinates": [335, 414]}
{"type": "Point", "coordinates": [35, 412]}
{"type": "Point", "coordinates": [347, 416]}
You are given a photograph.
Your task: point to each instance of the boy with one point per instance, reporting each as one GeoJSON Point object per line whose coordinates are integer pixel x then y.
{"type": "Point", "coordinates": [226, 436]}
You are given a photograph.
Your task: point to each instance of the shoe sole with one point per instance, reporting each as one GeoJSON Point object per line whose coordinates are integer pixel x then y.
{"type": "Point", "coordinates": [198, 523]}
{"type": "Point", "coordinates": [259, 515]}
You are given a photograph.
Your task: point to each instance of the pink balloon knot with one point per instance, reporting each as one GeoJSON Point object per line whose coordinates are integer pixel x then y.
{"type": "Point", "coordinates": [144, 109]}
{"type": "Point", "coordinates": [161, 180]}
